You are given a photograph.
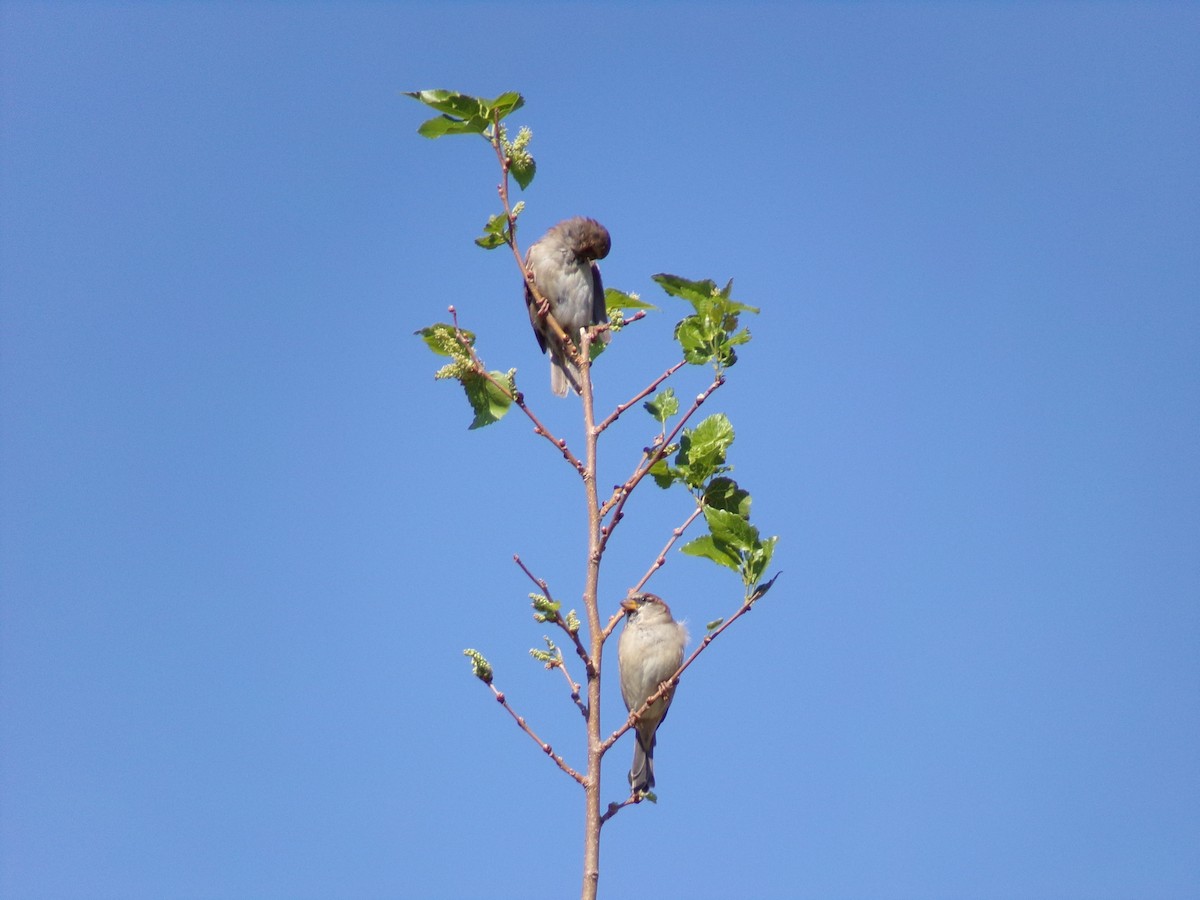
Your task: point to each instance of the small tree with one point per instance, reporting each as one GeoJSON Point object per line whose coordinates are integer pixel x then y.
{"type": "Point", "coordinates": [678, 454]}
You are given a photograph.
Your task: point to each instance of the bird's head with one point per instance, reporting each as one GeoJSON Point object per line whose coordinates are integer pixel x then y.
{"type": "Point", "coordinates": [649, 606]}
{"type": "Point", "coordinates": [588, 238]}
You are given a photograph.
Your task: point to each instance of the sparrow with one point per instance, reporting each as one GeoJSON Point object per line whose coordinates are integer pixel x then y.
{"type": "Point", "coordinates": [649, 652]}
{"type": "Point", "coordinates": [563, 266]}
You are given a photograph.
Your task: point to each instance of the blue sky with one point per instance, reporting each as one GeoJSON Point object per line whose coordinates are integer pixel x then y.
{"type": "Point", "coordinates": [244, 537]}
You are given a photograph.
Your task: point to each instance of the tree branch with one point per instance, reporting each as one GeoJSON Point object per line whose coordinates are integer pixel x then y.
{"type": "Point", "coordinates": [543, 305]}
{"type": "Point", "coordinates": [647, 391]}
{"type": "Point", "coordinates": [517, 397]}
{"type": "Point", "coordinates": [546, 748]}
{"type": "Point", "coordinates": [580, 650]}
{"type": "Point", "coordinates": [614, 808]}
{"type": "Point", "coordinates": [659, 562]}
{"type": "Point", "coordinates": [620, 495]}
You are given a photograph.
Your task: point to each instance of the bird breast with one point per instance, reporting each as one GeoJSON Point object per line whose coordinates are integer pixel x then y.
{"type": "Point", "coordinates": [566, 282]}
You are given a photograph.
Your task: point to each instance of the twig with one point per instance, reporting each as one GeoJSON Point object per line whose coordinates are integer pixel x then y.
{"type": "Point", "coordinates": [517, 397]}
{"type": "Point", "coordinates": [575, 687]}
{"type": "Point", "coordinates": [580, 650]}
{"type": "Point", "coordinates": [546, 748]}
{"type": "Point", "coordinates": [614, 808]}
{"type": "Point", "coordinates": [543, 305]}
{"type": "Point", "coordinates": [540, 429]}
{"type": "Point", "coordinates": [616, 413]}
{"type": "Point", "coordinates": [620, 495]}
{"type": "Point", "coordinates": [659, 562]}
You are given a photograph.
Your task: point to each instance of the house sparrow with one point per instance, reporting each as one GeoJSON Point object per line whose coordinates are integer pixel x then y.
{"type": "Point", "coordinates": [563, 266]}
{"type": "Point", "coordinates": [648, 653]}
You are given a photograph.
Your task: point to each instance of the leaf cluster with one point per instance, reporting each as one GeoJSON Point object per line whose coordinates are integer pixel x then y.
{"type": "Point", "coordinates": [490, 394]}
{"type": "Point", "coordinates": [462, 113]}
{"type": "Point", "coordinates": [465, 114]}
{"type": "Point", "coordinates": [710, 334]}
{"type": "Point", "coordinates": [700, 465]}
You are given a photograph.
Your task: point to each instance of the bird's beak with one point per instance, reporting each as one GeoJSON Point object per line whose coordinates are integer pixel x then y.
{"type": "Point", "coordinates": [630, 605]}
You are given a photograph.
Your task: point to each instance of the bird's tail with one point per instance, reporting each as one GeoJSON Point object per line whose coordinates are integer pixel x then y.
{"type": "Point", "coordinates": [641, 773]}
{"type": "Point", "coordinates": [564, 374]}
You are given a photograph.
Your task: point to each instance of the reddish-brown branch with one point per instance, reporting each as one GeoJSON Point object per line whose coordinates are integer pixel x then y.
{"type": "Point", "coordinates": [560, 621]}
{"type": "Point", "coordinates": [659, 562]}
{"type": "Point", "coordinates": [591, 603]}
{"type": "Point", "coordinates": [546, 748]}
{"type": "Point", "coordinates": [645, 392]}
{"type": "Point", "coordinates": [576, 698]}
{"type": "Point", "coordinates": [517, 397]}
{"type": "Point", "coordinates": [614, 808]}
{"type": "Point", "coordinates": [616, 503]}
{"type": "Point", "coordinates": [543, 306]}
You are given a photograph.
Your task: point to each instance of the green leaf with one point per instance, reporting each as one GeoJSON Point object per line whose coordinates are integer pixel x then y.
{"type": "Point", "coordinates": [724, 493]}
{"type": "Point", "coordinates": [713, 625]}
{"type": "Point", "coordinates": [440, 126]}
{"type": "Point", "coordinates": [662, 405]}
{"type": "Point", "coordinates": [495, 232]}
{"type": "Point", "coordinates": [489, 401]}
{"type": "Point", "coordinates": [698, 293]}
{"type": "Point", "coordinates": [462, 113]}
{"type": "Point", "coordinates": [443, 340]}
{"type": "Point", "coordinates": [759, 559]}
{"type": "Point", "coordinates": [713, 436]}
{"type": "Point", "coordinates": [462, 106]}
{"type": "Point", "coordinates": [731, 530]}
{"type": "Point", "coordinates": [708, 548]}
{"type": "Point", "coordinates": [702, 450]}
{"type": "Point", "coordinates": [702, 294]}
{"type": "Point", "coordinates": [711, 333]}
{"type": "Point", "coordinates": [614, 299]}
{"type": "Point", "coordinates": [505, 104]}
{"type": "Point", "coordinates": [664, 475]}
{"type": "Point", "coordinates": [522, 168]}
{"type": "Point", "coordinates": [696, 341]}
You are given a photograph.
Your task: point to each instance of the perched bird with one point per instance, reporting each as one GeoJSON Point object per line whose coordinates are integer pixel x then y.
{"type": "Point", "coordinates": [563, 266]}
{"type": "Point", "coordinates": [648, 653]}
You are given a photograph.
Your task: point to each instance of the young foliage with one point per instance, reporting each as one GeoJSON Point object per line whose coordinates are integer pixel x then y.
{"type": "Point", "coordinates": [489, 393]}
{"type": "Point", "coordinates": [663, 405]}
{"type": "Point", "coordinates": [464, 114]}
{"type": "Point", "coordinates": [711, 332]}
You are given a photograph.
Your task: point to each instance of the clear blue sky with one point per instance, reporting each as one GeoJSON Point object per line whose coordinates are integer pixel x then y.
{"type": "Point", "coordinates": [244, 536]}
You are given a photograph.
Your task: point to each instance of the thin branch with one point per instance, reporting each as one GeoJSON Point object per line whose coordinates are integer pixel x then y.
{"type": "Point", "coordinates": [661, 559]}
{"type": "Point", "coordinates": [574, 685]}
{"type": "Point", "coordinates": [517, 397]}
{"type": "Point", "coordinates": [614, 808]}
{"type": "Point", "coordinates": [616, 413]}
{"type": "Point", "coordinates": [540, 429]}
{"type": "Point", "coordinates": [659, 562]}
{"type": "Point", "coordinates": [616, 503]}
{"type": "Point", "coordinates": [543, 305]}
{"type": "Point", "coordinates": [580, 650]}
{"type": "Point", "coordinates": [546, 748]}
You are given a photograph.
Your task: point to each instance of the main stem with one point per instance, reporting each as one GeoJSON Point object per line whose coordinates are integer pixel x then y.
{"type": "Point", "coordinates": [595, 749]}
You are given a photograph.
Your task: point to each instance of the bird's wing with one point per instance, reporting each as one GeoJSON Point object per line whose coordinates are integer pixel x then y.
{"type": "Point", "coordinates": [531, 303]}
{"type": "Point", "coordinates": [599, 312]}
